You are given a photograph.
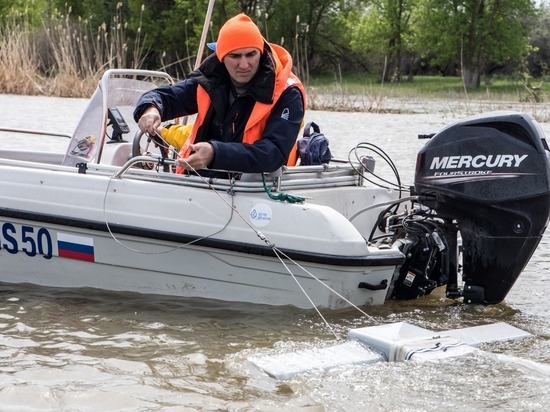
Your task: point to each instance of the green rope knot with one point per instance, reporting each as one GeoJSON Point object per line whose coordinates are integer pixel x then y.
{"type": "Point", "coordinates": [282, 197]}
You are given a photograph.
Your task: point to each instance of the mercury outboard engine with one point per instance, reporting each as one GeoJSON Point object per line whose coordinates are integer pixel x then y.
{"type": "Point", "coordinates": [488, 178]}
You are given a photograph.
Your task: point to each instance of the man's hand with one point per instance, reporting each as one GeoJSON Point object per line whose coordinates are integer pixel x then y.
{"type": "Point", "coordinates": [149, 122]}
{"type": "Point", "coordinates": [202, 154]}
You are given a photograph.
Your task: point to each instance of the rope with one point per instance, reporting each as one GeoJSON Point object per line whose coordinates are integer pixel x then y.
{"type": "Point", "coordinates": [281, 256]}
{"type": "Point", "coordinates": [281, 197]}
{"type": "Point", "coordinates": [280, 253]}
{"type": "Point", "coordinates": [171, 249]}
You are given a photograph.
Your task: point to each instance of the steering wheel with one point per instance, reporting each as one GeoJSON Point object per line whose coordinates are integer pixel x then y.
{"type": "Point", "coordinates": [138, 151]}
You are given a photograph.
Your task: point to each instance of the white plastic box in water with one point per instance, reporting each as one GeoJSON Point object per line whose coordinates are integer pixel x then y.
{"type": "Point", "coordinates": [391, 342]}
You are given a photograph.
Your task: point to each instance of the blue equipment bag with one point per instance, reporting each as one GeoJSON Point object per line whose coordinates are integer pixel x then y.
{"type": "Point", "coordinates": [313, 147]}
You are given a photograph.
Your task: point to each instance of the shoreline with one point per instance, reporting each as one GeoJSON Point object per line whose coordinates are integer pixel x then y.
{"type": "Point", "coordinates": [379, 105]}
{"type": "Point", "coordinates": [418, 105]}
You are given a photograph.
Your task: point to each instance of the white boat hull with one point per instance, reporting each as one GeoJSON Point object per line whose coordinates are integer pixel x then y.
{"type": "Point", "coordinates": [170, 244]}
{"type": "Point", "coordinates": [191, 271]}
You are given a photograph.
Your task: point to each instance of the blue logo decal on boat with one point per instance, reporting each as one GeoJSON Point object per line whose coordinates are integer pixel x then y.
{"type": "Point", "coordinates": [260, 215]}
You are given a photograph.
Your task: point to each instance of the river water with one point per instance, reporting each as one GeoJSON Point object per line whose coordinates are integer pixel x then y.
{"type": "Point", "coordinates": [81, 350]}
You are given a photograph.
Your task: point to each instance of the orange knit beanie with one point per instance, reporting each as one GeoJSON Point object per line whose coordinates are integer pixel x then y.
{"type": "Point", "coordinates": [238, 32]}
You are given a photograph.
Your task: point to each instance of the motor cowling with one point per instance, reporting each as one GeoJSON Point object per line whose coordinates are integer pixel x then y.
{"type": "Point", "coordinates": [491, 175]}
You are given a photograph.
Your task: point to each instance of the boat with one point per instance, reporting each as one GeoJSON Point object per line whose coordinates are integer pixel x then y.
{"type": "Point", "coordinates": [111, 214]}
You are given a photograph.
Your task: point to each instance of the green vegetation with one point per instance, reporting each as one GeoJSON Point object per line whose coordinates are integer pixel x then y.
{"type": "Point", "coordinates": [377, 49]}
{"type": "Point", "coordinates": [500, 88]}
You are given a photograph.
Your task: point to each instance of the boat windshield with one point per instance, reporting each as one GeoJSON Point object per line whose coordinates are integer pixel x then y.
{"type": "Point", "coordinates": [116, 94]}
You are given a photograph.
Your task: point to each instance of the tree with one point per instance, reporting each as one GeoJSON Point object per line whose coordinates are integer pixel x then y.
{"type": "Point", "coordinates": [30, 10]}
{"type": "Point", "coordinates": [383, 28]}
{"type": "Point", "coordinates": [300, 28]}
{"type": "Point", "coordinates": [539, 59]}
{"type": "Point", "coordinates": [475, 33]}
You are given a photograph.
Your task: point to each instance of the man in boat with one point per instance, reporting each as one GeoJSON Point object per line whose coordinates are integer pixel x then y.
{"type": "Point", "coordinates": [249, 105]}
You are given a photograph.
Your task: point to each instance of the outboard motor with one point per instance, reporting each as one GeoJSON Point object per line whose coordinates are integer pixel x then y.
{"type": "Point", "coordinates": [489, 176]}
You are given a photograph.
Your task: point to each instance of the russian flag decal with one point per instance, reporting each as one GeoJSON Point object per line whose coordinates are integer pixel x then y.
{"type": "Point", "coordinates": [75, 247]}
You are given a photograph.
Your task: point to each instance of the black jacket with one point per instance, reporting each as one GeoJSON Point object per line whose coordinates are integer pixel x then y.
{"type": "Point", "coordinates": [224, 123]}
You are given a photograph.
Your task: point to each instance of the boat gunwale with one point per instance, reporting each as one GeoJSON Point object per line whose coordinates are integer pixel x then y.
{"type": "Point", "coordinates": [296, 178]}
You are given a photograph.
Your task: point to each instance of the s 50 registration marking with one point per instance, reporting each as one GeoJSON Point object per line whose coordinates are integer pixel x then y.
{"type": "Point", "coordinates": [27, 239]}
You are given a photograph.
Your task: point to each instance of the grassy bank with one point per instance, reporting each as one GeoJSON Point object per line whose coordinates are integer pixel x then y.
{"type": "Point", "coordinates": [519, 89]}
{"type": "Point", "coordinates": [363, 92]}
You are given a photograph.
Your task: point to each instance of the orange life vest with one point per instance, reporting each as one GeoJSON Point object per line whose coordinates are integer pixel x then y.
{"type": "Point", "coordinates": [260, 113]}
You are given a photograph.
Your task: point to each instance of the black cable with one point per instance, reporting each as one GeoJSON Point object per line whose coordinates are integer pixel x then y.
{"type": "Point", "coordinates": [385, 157]}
